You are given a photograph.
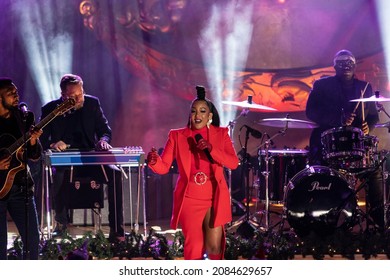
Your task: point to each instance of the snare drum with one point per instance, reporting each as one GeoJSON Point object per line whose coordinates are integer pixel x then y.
{"type": "Point", "coordinates": [370, 156]}
{"type": "Point", "coordinates": [343, 144]}
{"type": "Point", "coordinates": [282, 166]}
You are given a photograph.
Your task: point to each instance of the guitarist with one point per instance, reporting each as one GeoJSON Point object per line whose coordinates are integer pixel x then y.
{"type": "Point", "coordinates": [16, 190]}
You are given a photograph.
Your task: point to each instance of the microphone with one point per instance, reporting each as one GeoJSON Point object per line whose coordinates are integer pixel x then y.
{"type": "Point", "coordinates": [23, 107]}
{"type": "Point", "coordinates": [255, 133]}
{"type": "Point", "coordinates": [199, 137]}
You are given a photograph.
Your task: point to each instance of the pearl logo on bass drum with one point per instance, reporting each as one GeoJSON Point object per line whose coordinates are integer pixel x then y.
{"type": "Point", "coordinates": [315, 186]}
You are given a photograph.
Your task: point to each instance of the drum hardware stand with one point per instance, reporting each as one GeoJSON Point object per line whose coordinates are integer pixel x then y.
{"type": "Point", "coordinates": [246, 108]}
{"type": "Point", "coordinates": [360, 187]}
{"type": "Point", "coordinates": [266, 173]}
{"type": "Point", "coordinates": [386, 202]}
{"type": "Point", "coordinates": [231, 125]}
{"type": "Point", "coordinates": [385, 205]}
{"type": "Point", "coordinates": [385, 174]}
{"type": "Point", "coordinates": [359, 212]}
{"type": "Point", "coordinates": [382, 109]}
{"type": "Point", "coordinates": [246, 225]}
{"type": "Point", "coordinates": [379, 106]}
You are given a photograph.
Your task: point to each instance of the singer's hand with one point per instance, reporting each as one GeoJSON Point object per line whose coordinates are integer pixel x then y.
{"type": "Point", "coordinates": [152, 156]}
{"type": "Point", "coordinates": [365, 128]}
{"type": "Point", "coordinates": [350, 119]}
{"type": "Point", "coordinates": [204, 144]}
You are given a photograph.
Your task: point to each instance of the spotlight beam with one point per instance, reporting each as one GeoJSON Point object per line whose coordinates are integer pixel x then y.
{"type": "Point", "coordinates": [224, 43]}
{"type": "Point", "coordinates": [48, 51]}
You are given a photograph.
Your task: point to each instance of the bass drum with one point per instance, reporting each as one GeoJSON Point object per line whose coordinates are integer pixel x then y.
{"type": "Point", "coordinates": [319, 199]}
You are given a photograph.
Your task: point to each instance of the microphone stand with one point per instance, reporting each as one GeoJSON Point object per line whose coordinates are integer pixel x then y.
{"type": "Point", "coordinates": [26, 251]}
{"type": "Point", "coordinates": [231, 125]}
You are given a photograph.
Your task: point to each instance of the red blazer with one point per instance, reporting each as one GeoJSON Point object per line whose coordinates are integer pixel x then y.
{"type": "Point", "coordinates": [223, 154]}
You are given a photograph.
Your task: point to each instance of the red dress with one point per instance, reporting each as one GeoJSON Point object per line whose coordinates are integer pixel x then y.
{"type": "Point", "coordinates": [180, 146]}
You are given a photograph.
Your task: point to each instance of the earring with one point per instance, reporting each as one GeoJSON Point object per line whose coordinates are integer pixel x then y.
{"type": "Point", "coordinates": [209, 122]}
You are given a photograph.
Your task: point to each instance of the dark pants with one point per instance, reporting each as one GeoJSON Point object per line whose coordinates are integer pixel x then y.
{"type": "Point", "coordinates": [61, 178]}
{"type": "Point", "coordinates": [16, 206]}
{"type": "Point", "coordinates": [374, 189]}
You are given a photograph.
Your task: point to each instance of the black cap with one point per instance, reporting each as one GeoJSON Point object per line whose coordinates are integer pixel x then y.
{"type": "Point", "coordinates": [5, 82]}
{"type": "Point", "coordinates": [344, 55]}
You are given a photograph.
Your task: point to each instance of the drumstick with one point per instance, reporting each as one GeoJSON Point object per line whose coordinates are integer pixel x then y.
{"type": "Point", "coordinates": [363, 102]}
{"type": "Point", "coordinates": [361, 96]}
{"type": "Point", "coordinates": [357, 105]}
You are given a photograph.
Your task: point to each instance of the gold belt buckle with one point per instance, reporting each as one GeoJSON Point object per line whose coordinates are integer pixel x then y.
{"type": "Point", "coordinates": [200, 178]}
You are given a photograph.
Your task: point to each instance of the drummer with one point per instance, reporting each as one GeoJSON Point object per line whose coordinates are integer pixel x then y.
{"type": "Point", "coordinates": [329, 106]}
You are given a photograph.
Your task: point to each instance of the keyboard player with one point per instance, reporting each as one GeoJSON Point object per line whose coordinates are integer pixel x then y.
{"type": "Point", "coordinates": [84, 127]}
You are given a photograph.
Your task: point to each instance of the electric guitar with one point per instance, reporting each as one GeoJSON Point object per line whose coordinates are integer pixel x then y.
{"type": "Point", "coordinates": [15, 149]}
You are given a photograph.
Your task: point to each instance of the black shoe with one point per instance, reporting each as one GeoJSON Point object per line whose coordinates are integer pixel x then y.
{"type": "Point", "coordinates": [116, 237]}
{"type": "Point", "coordinates": [60, 230]}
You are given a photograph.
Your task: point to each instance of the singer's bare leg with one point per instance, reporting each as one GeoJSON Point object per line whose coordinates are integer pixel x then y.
{"type": "Point", "coordinates": [213, 236]}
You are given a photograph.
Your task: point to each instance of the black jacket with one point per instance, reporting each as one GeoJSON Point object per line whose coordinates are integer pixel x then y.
{"type": "Point", "coordinates": [12, 139]}
{"type": "Point", "coordinates": [94, 123]}
{"type": "Point", "coordinates": [328, 105]}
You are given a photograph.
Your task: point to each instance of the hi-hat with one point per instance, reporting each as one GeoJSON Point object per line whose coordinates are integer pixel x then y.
{"type": "Point", "coordinates": [373, 98]}
{"type": "Point", "coordinates": [383, 125]}
{"type": "Point", "coordinates": [287, 122]}
{"type": "Point", "coordinates": [246, 104]}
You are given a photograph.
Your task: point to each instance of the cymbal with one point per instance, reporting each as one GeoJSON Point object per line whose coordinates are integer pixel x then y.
{"type": "Point", "coordinates": [287, 122]}
{"type": "Point", "coordinates": [382, 125]}
{"type": "Point", "coordinates": [373, 98]}
{"type": "Point", "coordinates": [246, 104]}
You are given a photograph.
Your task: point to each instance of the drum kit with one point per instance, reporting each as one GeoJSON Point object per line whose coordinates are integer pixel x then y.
{"type": "Point", "coordinates": [317, 198]}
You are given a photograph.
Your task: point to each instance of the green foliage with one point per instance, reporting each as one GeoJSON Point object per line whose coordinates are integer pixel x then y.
{"type": "Point", "coordinates": [275, 245]}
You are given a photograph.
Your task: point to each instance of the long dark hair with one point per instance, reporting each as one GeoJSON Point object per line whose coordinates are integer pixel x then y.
{"type": "Point", "coordinates": [201, 96]}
